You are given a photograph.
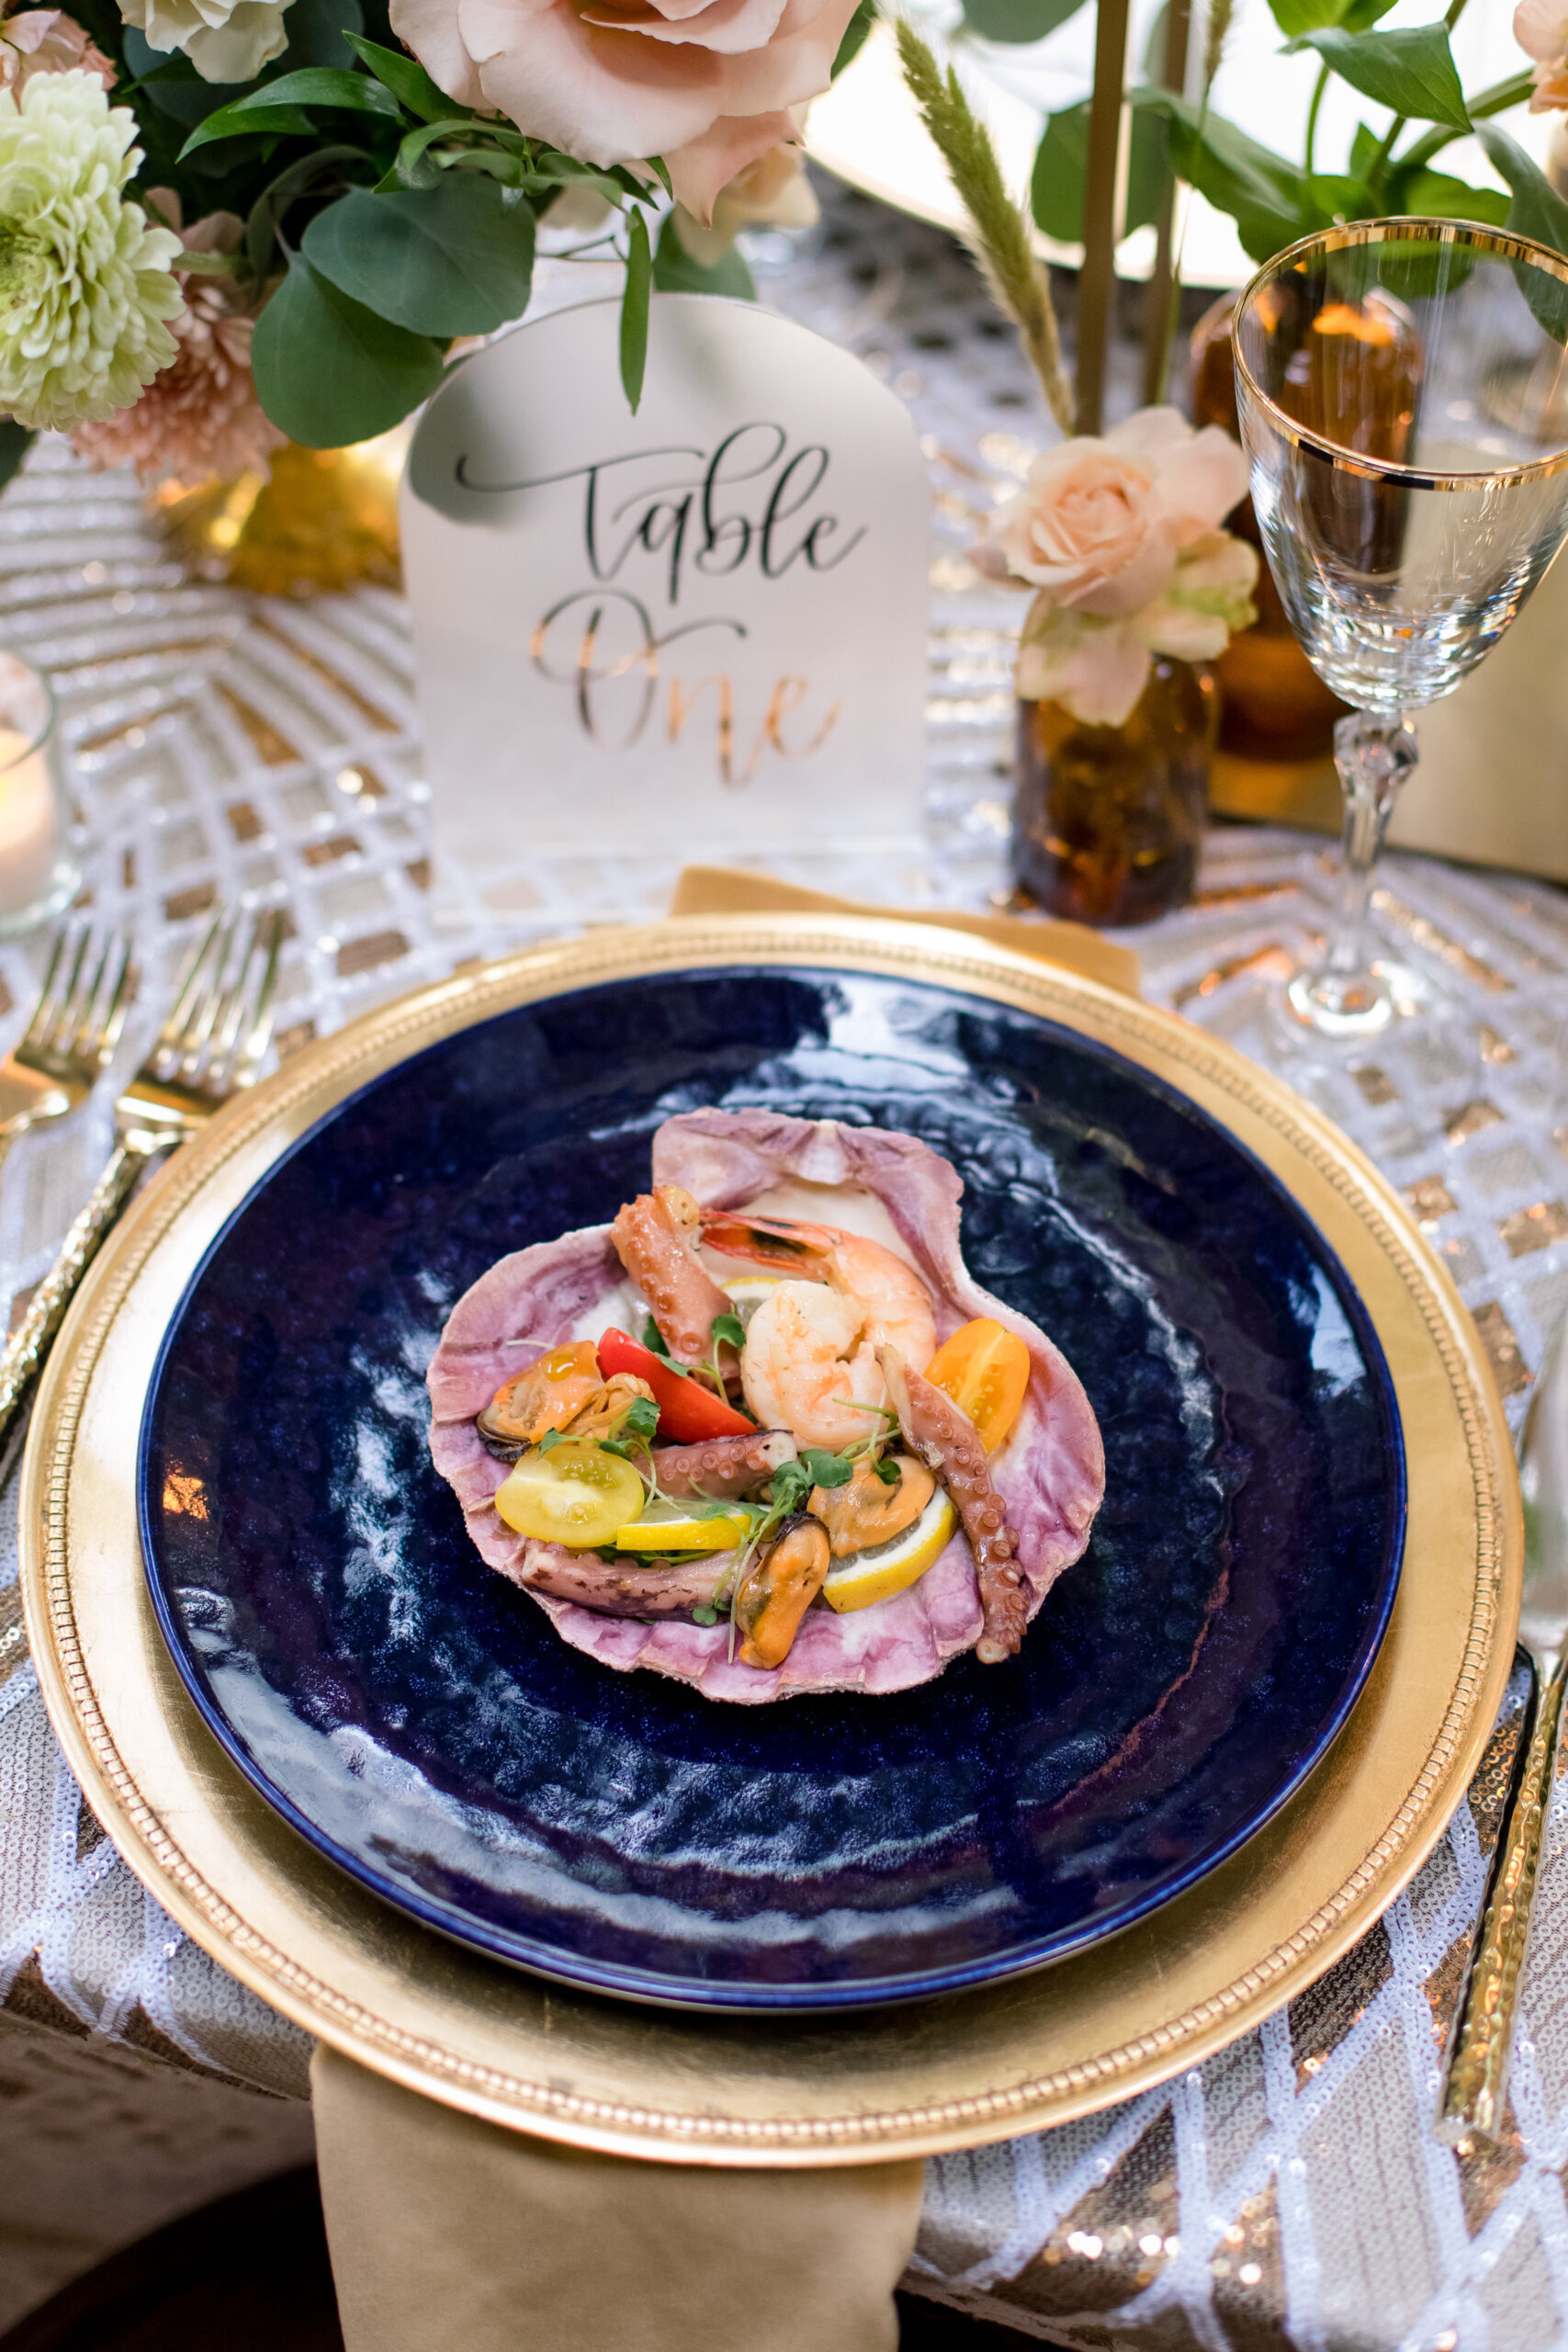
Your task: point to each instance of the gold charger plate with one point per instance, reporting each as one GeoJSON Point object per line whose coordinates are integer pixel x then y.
{"type": "Point", "coordinates": [905, 2081]}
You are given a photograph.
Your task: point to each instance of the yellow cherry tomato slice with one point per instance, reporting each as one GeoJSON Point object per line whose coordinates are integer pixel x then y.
{"type": "Point", "coordinates": [573, 1494]}
{"type": "Point", "coordinates": [985, 1369]}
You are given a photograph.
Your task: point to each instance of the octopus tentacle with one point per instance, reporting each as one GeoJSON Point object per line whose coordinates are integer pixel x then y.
{"type": "Point", "coordinates": [632, 1590]}
{"type": "Point", "coordinates": [723, 1467]}
{"type": "Point", "coordinates": [946, 1439]}
{"type": "Point", "coordinates": [655, 1242]}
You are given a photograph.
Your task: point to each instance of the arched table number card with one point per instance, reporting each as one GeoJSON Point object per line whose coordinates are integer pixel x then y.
{"type": "Point", "coordinates": [696, 630]}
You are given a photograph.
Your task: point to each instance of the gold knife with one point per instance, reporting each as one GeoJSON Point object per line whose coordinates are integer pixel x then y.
{"type": "Point", "coordinates": [1475, 2086]}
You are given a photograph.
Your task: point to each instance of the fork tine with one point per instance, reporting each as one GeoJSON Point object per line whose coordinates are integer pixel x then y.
{"type": "Point", "coordinates": [121, 1002]}
{"type": "Point", "coordinates": [74, 1004]}
{"type": "Point", "coordinates": [104, 1013]}
{"type": "Point", "coordinates": [227, 1027]}
{"type": "Point", "coordinates": [79, 1036]}
{"type": "Point", "coordinates": [224, 1011]}
{"type": "Point", "coordinates": [171, 1036]}
{"type": "Point", "coordinates": [44, 1010]}
{"type": "Point", "coordinates": [207, 1009]}
{"type": "Point", "coordinates": [247, 1061]}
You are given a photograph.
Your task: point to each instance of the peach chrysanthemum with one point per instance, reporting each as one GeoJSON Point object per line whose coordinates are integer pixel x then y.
{"type": "Point", "coordinates": [200, 416]}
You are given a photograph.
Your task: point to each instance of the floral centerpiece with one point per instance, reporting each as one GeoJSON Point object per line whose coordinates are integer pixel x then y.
{"type": "Point", "coordinates": [1137, 588]}
{"type": "Point", "coordinates": [223, 222]}
{"type": "Point", "coordinates": [1120, 536]}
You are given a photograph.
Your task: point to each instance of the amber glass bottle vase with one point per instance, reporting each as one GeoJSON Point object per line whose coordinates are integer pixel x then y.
{"type": "Point", "coordinates": [1107, 821]}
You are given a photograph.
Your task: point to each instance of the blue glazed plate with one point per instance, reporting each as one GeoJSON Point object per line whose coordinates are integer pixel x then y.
{"type": "Point", "coordinates": [415, 1716]}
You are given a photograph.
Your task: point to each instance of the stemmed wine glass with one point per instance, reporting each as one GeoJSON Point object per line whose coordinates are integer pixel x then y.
{"type": "Point", "coordinates": [1403, 390]}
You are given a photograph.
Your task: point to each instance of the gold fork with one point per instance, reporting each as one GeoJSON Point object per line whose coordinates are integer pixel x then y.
{"type": "Point", "coordinates": [212, 1044]}
{"type": "Point", "coordinates": [70, 1038]}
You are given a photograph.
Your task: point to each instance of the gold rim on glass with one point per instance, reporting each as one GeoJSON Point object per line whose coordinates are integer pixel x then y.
{"type": "Point", "coordinates": [908, 2080]}
{"type": "Point", "coordinates": [1404, 229]}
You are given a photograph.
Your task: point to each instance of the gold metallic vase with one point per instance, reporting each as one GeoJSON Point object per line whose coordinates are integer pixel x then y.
{"type": "Point", "coordinates": [326, 520]}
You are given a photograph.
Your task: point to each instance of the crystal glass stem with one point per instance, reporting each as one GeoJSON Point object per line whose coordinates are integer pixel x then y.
{"type": "Point", "coordinates": [1344, 997]}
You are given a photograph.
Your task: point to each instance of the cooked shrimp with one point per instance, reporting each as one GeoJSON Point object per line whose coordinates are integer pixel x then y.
{"type": "Point", "coordinates": [892, 1302]}
{"type": "Point", "coordinates": [807, 1366]}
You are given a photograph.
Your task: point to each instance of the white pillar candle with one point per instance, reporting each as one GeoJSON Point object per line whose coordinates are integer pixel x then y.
{"type": "Point", "coordinates": [29, 824]}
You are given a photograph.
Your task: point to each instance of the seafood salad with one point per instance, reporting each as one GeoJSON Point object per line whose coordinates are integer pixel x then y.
{"type": "Point", "coordinates": [764, 1432]}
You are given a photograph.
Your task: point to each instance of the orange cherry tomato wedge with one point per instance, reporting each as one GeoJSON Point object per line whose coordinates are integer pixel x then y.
{"type": "Point", "coordinates": [687, 1411]}
{"type": "Point", "coordinates": [985, 1369]}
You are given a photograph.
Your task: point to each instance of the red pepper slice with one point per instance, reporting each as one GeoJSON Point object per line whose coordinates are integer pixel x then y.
{"type": "Point", "coordinates": [687, 1411]}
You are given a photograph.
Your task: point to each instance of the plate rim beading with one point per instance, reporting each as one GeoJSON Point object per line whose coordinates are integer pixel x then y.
{"type": "Point", "coordinates": [352, 1057]}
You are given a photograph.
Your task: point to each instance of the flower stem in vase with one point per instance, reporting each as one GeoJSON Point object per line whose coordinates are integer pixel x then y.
{"type": "Point", "coordinates": [1345, 997]}
{"type": "Point", "coordinates": [1108, 820]}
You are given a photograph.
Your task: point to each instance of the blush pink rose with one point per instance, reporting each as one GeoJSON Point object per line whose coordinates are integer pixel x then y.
{"type": "Point", "coordinates": [706, 84]}
{"type": "Point", "coordinates": [1540, 28]}
{"type": "Point", "coordinates": [46, 41]}
{"type": "Point", "coordinates": [1099, 523]}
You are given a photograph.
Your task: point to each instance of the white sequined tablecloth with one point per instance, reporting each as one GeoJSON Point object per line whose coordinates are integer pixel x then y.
{"type": "Point", "coordinates": [1288, 2193]}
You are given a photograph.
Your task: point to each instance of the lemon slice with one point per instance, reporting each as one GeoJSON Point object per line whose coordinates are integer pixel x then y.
{"type": "Point", "coordinates": [666, 1530]}
{"type": "Point", "coordinates": [749, 1290]}
{"type": "Point", "coordinates": [886, 1568]}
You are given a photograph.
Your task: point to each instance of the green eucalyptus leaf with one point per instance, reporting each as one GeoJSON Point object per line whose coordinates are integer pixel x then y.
{"type": "Point", "coordinates": [1332, 196]}
{"type": "Point", "coordinates": [288, 123]}
{"type": "Point", "coordinates": [1536, 211]}
{"type": "Point", "coordinates": [1262, 194]}
{"type": "Point", "coordinates": [281, 106]}
{"type": "Point", "coordinates": [408, 81]}
{"type": "Point", "coordinates": [328, 370]}
{"type": "Point", "coordinates": [854, 38]}
{"type": "Point", "coordinates": [1149, 171]}
{"type": "Point", "coordinates": [1056, 184]}
{"type": "Point", "coordinates": [1018, 20]}
{"type": "Point", "coordinates": [1365, 149]}
{"type": "Point", "coordinates": [1296, 18]}
{"type": "Point", "coordinates": [675, 272]}
{"type": "Point", "coordinates": [1435, 195]}
{"type": "Point", "coordinates": [452, 259]}
{"type": "Point", "coordinates": [414, 167]}
{"type": "Point", "coordinates": [634, 309]}
{"type": "Point", "coordinates": [549, 168]}
{"type": "Point", "coordinates": [325, 86]}
{"type": "Point", "coordinates": [1498, 96]}
{"type": "Point", "coordinates": [1412, 72]}
{"type": "Point", "coordinates": [1362, 15]}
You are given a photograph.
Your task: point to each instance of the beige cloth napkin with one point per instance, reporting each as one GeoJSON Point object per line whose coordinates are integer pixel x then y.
{"type": "Point", "coordinates": [452, 2235]}
{"type": "Point", "coordinates": [728, 890]}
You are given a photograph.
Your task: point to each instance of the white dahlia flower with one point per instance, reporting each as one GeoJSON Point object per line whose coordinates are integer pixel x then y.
{"type": "Point", "coordinates": [85, 286]}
